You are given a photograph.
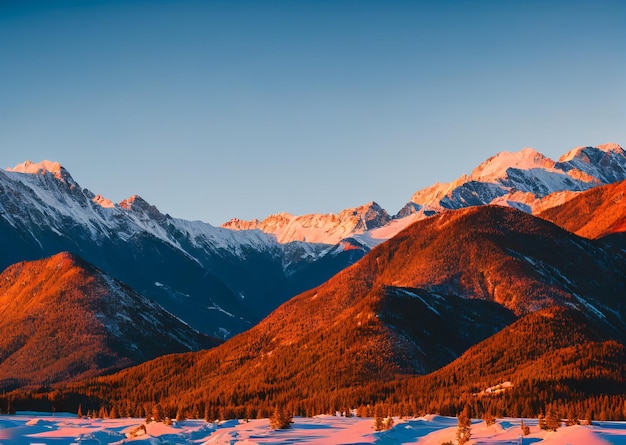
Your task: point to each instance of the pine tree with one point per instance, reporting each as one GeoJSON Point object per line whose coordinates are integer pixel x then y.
{"type": "Point", "coordinates": [489, 418]}
{"type": "Point", "coordinates": [180, 414]}
{"type": "Point", "coordinates": [541, 421]}
{"type": "Point", "coordinates": [79, 412]}
{"type": "Point", "coordinates": [157, 413]}
{"type": "Point", "coordinates": [378, 418]}
{"type": "Point", "coordinates": [388, 422]}
{"type": "Point", "coordinates": [525, 428]}
{"type": "Point", "coordinates": [552, 420]}
{"type": "Point", "coordinates": [464, 431]}
{"type": "Point", "coordinates": [280, 420]}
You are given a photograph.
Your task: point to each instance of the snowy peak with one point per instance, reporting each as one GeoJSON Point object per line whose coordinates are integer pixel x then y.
{"type": "Point", "coordinates": [43, 167]}
{"type": "Point", "coordinates": [366, 217]}
{"type": "Point", "coordinates": [581, 152]}
{"type": "Point", "coordinates": [522, 180]}
{"type": "Point", "coordinates": [103, 202]}
{"type": "Point", "coordinates": [607, 163]}
{"type": "Point", "coordinates": [327, 228]}
{"type": "Point", "coordinates": [35, 168]}
{"type": "Point", "coordinates": [271, 224]}
{"type": "Point", "coordinates": [496, 167]}
{"type": "Point", "coordinates": [137, 204]}
{"type": "Point", "coordinates": [611, 147]}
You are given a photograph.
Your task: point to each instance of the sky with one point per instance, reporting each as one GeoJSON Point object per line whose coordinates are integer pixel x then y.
{"type": "Point", "coordinates": [212, 110]}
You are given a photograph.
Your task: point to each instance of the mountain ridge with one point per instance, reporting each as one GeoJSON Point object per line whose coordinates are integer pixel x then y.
{"type": "Point", "coordinates": [244, 274]}
{"type": "Point", "coordinates": [526, 180]}
{"type": "Point", "coordinates": [62, 319]}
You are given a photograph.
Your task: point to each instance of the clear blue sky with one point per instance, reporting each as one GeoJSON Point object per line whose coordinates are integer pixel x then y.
{"type": "Point", "coordinates": [220, 109]}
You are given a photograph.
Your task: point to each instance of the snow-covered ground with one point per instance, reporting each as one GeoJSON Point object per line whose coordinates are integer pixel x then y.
{"type": "Point", "coordinates": [32, 429]}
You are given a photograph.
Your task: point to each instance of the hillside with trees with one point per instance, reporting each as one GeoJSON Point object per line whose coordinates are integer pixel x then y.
{"type": "Point", "coordinates": [61, 318]}
{"type": "Point", "coordinates": [595, 213]}
{"type": "Point", "coordinates": [423, 323]}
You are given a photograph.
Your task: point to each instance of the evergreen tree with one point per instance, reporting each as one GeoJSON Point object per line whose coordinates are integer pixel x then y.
{"type": "Point", "coordinates": [464, 431]}
{"type": "Point", "coordinates": [388, 422]}
{"type": "Point", "coordinates": [280, 420]}
{"type": "Point", "coordinates": [552, 420]}
{"type": "Point", "coordinates": [378, 418]}
{"type": "Point", "coordinates": [525, 428]}
{"type": "Point", "coordinates": [541, 421]}
{"type": "Point", "coordinates": [102, 413]}
{"type": "Point", "coordinates": [79, 412]}
{"type": "Point", "coordinates": [180, 414]}
{"type": "Point", "coordinates": [489, 418]}
{"type": "Point", "coordinates": [157, 413]}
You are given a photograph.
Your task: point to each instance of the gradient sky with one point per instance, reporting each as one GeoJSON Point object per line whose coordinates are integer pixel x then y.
{"type": "Point", "coordinates": [219, 109]}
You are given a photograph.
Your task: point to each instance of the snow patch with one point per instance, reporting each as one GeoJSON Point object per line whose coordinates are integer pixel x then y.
{"type": "Point", "coordinates": [589, 306]}
{"type": "Point", "coordinates": [414, 295]}
{"type": "Point", "coordinates": [216, 307]}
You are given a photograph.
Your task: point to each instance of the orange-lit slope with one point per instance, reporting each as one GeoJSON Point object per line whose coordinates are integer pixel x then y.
{"type": "Point", "coordinates": [61, 318]}
{"type": "Point", "coordinates": [594, 213]}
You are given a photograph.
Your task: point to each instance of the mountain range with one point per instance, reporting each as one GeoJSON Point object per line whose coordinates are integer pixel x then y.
{"type": "Point", "coordinates": [466, 299]}
{"type": "Point", "coordinates": [336, 309]}
{"type": "Point", "coordinates": [220, 281]}
{"type": "Point", "coordinates": [526, 180]}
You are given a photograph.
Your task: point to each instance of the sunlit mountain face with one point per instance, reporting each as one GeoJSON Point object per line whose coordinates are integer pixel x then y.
{"type": "Point", "coordinates": [598, 212]}
{"type": "Point", "coordinates": [63, 319]}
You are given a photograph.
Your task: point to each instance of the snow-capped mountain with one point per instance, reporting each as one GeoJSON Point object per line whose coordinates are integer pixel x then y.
{"type": "Point", "coordinates": [317, 228]}
{"type": "Point", "coordinates": [523, 180]}
{"type": "Point", "coordinates": [526, 180]}
{"type": "Point", "coordinates": [220, 281]}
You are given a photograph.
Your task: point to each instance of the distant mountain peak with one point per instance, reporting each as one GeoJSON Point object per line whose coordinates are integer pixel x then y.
{"type": "Point", "coordinates": [138, 205]}
{"type": "Point", "coordinates": [132, 201]}
{"type": "Point", "coordinates": [40, 168]}
{"type": "Point", "coordinates": [34, 168]}
{"type": "Point", "coordinates": [610, 148]}
{"type": "Point", "coordinates": [103, 202]}
{"type": "Point", "coordinates": [136, 202]}
{"type": "Point", "coordinates": [523, 179]}
{"type": "Point", "coordinates": [496, 166]}
{"type": "Point", "coordinates": [327, 228]}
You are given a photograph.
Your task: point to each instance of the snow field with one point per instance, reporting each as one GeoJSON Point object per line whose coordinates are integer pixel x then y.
{"type": "Point", "coordinates": [64, 429]}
